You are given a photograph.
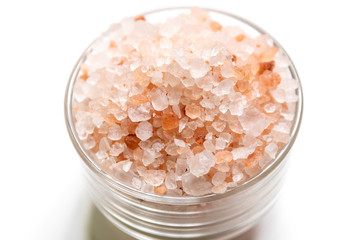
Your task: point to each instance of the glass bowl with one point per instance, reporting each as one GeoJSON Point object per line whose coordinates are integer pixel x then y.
{"type": "Point", "coordinates": [213, 216]}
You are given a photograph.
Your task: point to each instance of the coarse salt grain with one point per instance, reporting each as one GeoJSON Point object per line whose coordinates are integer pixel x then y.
{"type": "Point", "coordinates": [167, 114]}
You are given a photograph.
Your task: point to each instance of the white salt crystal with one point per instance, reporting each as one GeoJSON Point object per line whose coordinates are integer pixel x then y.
{"type": "Point", "coordinates": [253, 121]}
{"type": "Point", "coordinates": [242, 152]}
{"type": "Point", "coordinates": [237, 177]}
{"type": "Point", "coordinates": [89, 143]}
{"type": "Point", "coordinates": [270, 108]}
{"type": "Point", "coordinates": [179, 142]}
{"type": "Point", "coordinates": [159, 99]}
{"type": "Point", "coordinates": [170, 180]}
{"type": "Point", "coordinates": [148, 157]}
{"type": "Point", "coordinates": [182, 123]}
{"type": "Point", "coordinates": [116, 149]}
{"type": "Point", "coordinates": [180, 167]}
{"type": "Point", "coordinates": [154, 177]}
{"type": "Point", "coordinates": [158, 146]}
{"type": "Point", "coordinates": [144, 131]}
{"type": "Point", "coordinates": [219, 126]}
{"type": "Point", "coordinates": [157, 78]}
{"type": "Point", "coordinates": [207, 103]}
{"type": "Point", "coordinates": [219, 188]}
{"type": "Point", "coordinates": [136, 182]}
{"type": "Point", "coordinates": [201, 163]}
{"type": "Point", "coordinates": [236, 107]}
{"type": "Point", "coordinates": [271, 149]}
{"type": "Point", "coordinates": [187, 133]}
{"type": "Point", "coordinates": [116, 133]}
{"type": "Point", "coordinates": [141, 113]}
{"type": "Point", "coordinates": [227, 70]}
{"type": "Point", "coordinates": [126, 165]}
{"type": "Point", "coordinates": [174, 96]}
{"type": "Point", "coordinates": [218, 178]}
{"type": "Point", "coordinates": [176, 110]}
{"type": "Point", "coordinates": [265, 160]}
{"type": "Point", "coordinates": [224, 87]}
{"type": "Point", "coordinates": [198, 68]}
{"type": "Point", "coordinates": [225, 136]}
{"type": "Point", "coordinates": [224, 106]}
{"type": "Point", "coordinates": [209, 146]}
{"type": "Point", "coordinates": [165, 43]}
{"type": "Point", "coordinates": [220, 144]}
{"type": "Point", "coordinates": [282, 127]}
{"type": "Point", "coordinates": [104, 145]}
{"type": "Point", "coordinates": [171, 149]}
{"type": "Point", "coordinates": [195, 186]}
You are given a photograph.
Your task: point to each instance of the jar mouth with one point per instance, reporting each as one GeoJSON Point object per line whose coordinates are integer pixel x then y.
{"type": "Point", "coordinates": [187, 199]}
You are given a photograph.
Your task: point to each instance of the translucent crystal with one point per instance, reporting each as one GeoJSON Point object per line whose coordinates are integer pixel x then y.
{"type": "Point", "coordinates": [195, 186]}
{"type": "Point", "coordinates": [201, 163]}
{"type": "Point", "coordinates": [144, 131]}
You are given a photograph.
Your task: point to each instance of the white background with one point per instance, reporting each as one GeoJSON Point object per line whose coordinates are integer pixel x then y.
{"type": "Point", "coordinates": [43, 194]}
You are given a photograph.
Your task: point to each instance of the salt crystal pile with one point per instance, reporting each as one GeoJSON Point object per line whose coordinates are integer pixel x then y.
{"type": "Point", "coordinates": [186, 107]}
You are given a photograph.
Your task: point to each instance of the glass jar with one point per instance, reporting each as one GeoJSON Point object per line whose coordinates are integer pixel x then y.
{"type": "Point", "coordinates": [214, 216]}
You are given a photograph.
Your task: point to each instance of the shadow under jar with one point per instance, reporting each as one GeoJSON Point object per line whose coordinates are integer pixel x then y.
{"type": "Point", "coordinates": [214, 216]}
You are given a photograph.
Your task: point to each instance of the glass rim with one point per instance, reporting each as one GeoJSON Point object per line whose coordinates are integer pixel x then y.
{"type": "Point", "coordinates": [183, 200]}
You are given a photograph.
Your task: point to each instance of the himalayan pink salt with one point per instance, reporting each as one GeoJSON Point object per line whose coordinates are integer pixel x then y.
{"type": "Point", "coordinates": [218, 178]}
{"type": "Point", "coordinates": [144, 131]}
{"type": "Point", "coordinates": [186, 107]}
{"type": "Point", "coordinates": [193, 111]}
{"type": "Point", "coordinates": [223, 156]}
{"type": "Point", "coordinates": [169, 121]}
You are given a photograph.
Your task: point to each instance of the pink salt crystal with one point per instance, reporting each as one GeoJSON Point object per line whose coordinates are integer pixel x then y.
{"type": "Point", "coordinates": [171, 149]}
{"type": "Point", "coordinates": [218, 178]}
{"type": "Point", "coordinates": [144, 131]}
{"type": "Point", "coordinates": [253, 121]}
{"type": "Point", "coordinates": [201, 163]}
{"type": "Point", "coordinates": [140, 86]}
{"type": "Point", "coordinates": [222, 167]}
{"type": "Point", "coordinates": [154, 177]}
{"type": "Point", "coordinates": [187, 133]}
{"type": "Point", "coordinates": [193, 111]}
{"type": "Point", "coordinates": [195, 186]}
